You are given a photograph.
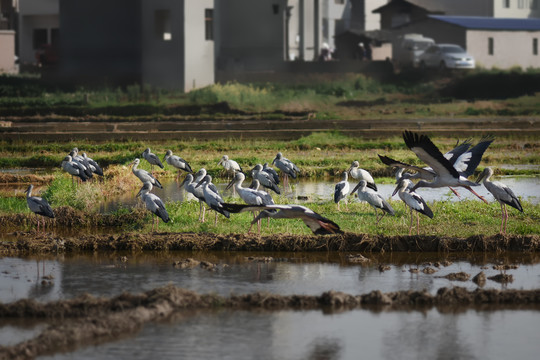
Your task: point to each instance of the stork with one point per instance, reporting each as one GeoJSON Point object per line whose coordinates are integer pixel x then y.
{"type": "Point", "coordinates": [189, 185]}
{"type": "Point", "coordinates": [341, 189]}
{"type": "Point", "coordinates": [144, 175]}
{"type": "Point", "coordinates": [287, 167]}
{"type": "Point", "coordinates": [502, 193]}
{"type": "Point", "coordinates": [153, 204]}
{"type": "Point", "coordinates": [358, 173]}
{"type": "Point", "coordinates": [96, 169]}
{"type": "Point", "coordinates": [266, 179]}
{"type": "Point", "coordinates": [318, 224]}
{"type": "Point", "coordinates": [413, 201]}
{"type": "Point", "coordinates": [177, 162]}
{"type": "Point", "coordinates": [212, 198]}
{"type": "Point", "coordinates": [230, 166]}
{"type": "Point", "coordinates": [73, 168]}
{"type": "Point", "coordinates": [152, 159]}
{"type": "Point", "coordinates": [38, 206]}
{"type": "Point", "coordinates": [374, 199]}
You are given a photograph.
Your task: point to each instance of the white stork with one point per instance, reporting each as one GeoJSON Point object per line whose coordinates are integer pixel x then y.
{"type": "Point", "coordinates": [287, 167]}
{"type": "Point", "coordinates": [374, 199]}
{"type": "Point", "coordinates": [318, 224]}
{"type": "Point", "coordinates": [341, 189]}
{"type": "Point", "coordinates": [38, 206]}
{"type": "Point", "coordinates": [212, 198]}
{"type": "Point", "coordinates": [358, 173]}
{"type": "Point", "coordinates": [413, 201]}
{"type": "Point", "coordinates": [153, 204]}
{"type": "Point", "coordinates": [144, 175]}
{"type": "Point", "coordinates": [177, 162]}
{"type": "Point", "coordinates": [502, 193]}
{"type": "Point", "coordinates": [152, 159]}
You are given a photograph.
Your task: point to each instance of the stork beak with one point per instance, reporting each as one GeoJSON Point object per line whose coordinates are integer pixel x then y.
{"type": "Point", "coordinates": [183, 182]}
{"type": "Point", "coordinates": [200, 182]}
{"type": "Point", "coordinates": [273, 161]}
{"type": "Point", "coordinates": [220, 162]}
{"type": "Point", "coordinates": [139, 193]}
{"type": "Point", "coordinates": [480, 177]}
{"type": "Point", "coordinates": [396, 189]}
{"type": "Point", "coordinates": [230, 184]}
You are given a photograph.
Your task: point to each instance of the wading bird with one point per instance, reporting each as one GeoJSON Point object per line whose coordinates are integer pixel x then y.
{"type": "Point", "coordinates": [358, 174]}
{"type": "Point", "coordinates": [153, 204]}
{"type": "Point", "coordinates": [374, 199]}
{"type": "Point", "coordinates": [266, 179]}
{"type": "Point", "coordinates": [502, 193]}
{"type": "Point", "coordinates": [250, 196]}
{"type": "Point", "coordinates": [38, 206]}
{"type": "Point", "coordinates": [414, 202]}
{"type": "Point", "coordinates": [318, 224]}
{"type": "Point", "coordinates": [189, 185]}
{"type": "Point", "coordinates": [212, 198]}
{"type": "Point", "coordinates": [443, 172]}
{"type": "Point", "coordinates": [177, 162]}
{"type": "Point", "coordinates": [270, 170]}
{"type": "Point", "coordinates": [341, 189]}
{"type": "Point", "coordinates": [144, 175]}
{"type": "Point", "coordinates": [73, 168]}
{"type": "Point", "coordinates": [230, 166]}
{"type": "Point", "coordinates": [96, 169]}
{"type": "Point", "coordinates": [83, 163]}
{"type": "Point", "coordinates": [152, 159]}
{"type": "Point", "coordinates": [287, 168]}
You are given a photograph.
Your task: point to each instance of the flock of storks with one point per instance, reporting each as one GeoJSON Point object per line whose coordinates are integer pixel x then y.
{"type": "Point", "coordinates": [445, 170]}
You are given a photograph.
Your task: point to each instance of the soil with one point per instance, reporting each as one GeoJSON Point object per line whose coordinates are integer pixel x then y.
{"type": "Point", "coordinates": [87, 320]}
{"type": "Point", "coordinates": [23, 243]}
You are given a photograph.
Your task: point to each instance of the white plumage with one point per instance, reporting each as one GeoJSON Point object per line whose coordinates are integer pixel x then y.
{"type": "Point", "coordinates": [358, 173]}
{"type": "Point", "coordinates": [144, 175]}
{"type": "Point", "coordinates": [374, 199]}
{"type": "Point", "coordinates": [153, 204]}
{"type": "Point", "coordinates": [341, 189]}
{"type": "Point", "coordinates": [413, 201]}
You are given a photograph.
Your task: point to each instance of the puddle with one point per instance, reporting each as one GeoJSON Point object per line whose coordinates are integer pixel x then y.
{"type": "Point", "coordinates": [288, 273]}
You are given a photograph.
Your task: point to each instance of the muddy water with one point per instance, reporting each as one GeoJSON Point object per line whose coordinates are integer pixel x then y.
{"type": "Point", "coordinates": [358, 334]}
{"type": "Point", "coordinates": [227, 334]}
{"type": "Point", "coordinates": [287, 273]}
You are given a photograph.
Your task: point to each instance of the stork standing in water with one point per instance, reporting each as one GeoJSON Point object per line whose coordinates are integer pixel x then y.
{"type": "Point", "coordinates": [414, 202]}
{"type": "Point", "coordinates": [144, 175]}
{"type": "Point", "coordinates": [73, 168]}
{"type": "Point", "coordinates": [153, 204]}
{"type": "Point", "coordinates": [38, 206]}
{"type": "Point", "coordinates": [341, 189]}
{"type": "Point", "coordinates": [358, 174]}
{"type": "Point", "coordinates": [152, 159]}
{"type": "Point", "coordinates": [502, 193]}
{"type": "Point", "coordinates": [230, 166]}
{"type": "Point", "coordinates": [177, 162]}
{"type": "Point", "coordinates": [287, 167]}
{"type": "Point", "coordinates": [266, 179]}
{"type": "Point", "coordinates": [250, 196]}
{"type": "Point", "coordinates": [318, 224]}
{"type": "Point", "coordinates": [443, 172]}
{"type": "Point", "coordinates": [374, 199]}
{"type": "Point", "coordinates": [212, 198]}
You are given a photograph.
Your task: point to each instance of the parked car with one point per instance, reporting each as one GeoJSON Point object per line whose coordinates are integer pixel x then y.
{"type": "Point", "coordinates": [445, 56]}
{"type": "Point", "coordinates": [406, 49]}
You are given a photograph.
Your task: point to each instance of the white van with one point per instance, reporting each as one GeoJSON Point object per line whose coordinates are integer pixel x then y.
{"type": "Point", "coordinates": [406, 49]}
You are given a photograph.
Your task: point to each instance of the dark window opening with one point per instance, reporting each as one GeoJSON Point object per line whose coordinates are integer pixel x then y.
{"type": "Point", "coordinates": [162, 24]}
{"type": "Point", "coordinates": [39, 38]}
{"type": "Point", "coordinates": [535, 46]}
{"type": "Point", "coordinates": [209, 24]}
{"type": "Point", "coordinates": [490, 46]}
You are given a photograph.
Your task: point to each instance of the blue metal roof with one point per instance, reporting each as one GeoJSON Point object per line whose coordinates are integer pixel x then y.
{"type": "Point", "coordinates": [490, 23]}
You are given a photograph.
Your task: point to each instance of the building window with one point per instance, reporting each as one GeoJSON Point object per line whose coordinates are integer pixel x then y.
{"type": "Point", "coordinates": [535, 46]}
{"type": "Point", "coordinates": [55, 34]}
{"type": "Point", "coordinates": [209, 24]}
{"type": "Point", "coordinates": [506, 4]}
{"type": "Point", "coordinates": [162, 24]}
{"type": "Point", "coordinates": [534, 4]}
{"type": "Point", "coordinates": [490, 46]}
{"type": "Point", "coordinates": [39, 38]}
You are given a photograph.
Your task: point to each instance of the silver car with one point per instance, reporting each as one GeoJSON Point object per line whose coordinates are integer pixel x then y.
{"type": "Point", "coordinates": [445, 56]}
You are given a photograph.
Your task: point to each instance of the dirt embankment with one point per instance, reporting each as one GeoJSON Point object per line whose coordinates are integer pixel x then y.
{"type": "Point", "coordinates": [32, 243]}
{"type": "Point", "coordinates": [87, 320]}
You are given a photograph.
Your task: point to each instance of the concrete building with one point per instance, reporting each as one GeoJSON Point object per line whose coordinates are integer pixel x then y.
{"type": "Point", "coordinates": [164, 43]}
{"type": "Point", "coordinates": [494, 42]}
{"type": "Point", "coordinates": [38, 25]}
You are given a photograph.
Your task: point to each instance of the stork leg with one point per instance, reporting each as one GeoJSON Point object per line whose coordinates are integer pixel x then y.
{"type": "Point", "coordinates": [377, 218]}
{"type": "Point", "coordinates": [410, 223]}
{"type": "Point", "coordinates": [417, 224]}
{"type": "Point", "coordinates": [215, 221]}
{"type": "Point", "coordinates": [455, 192]}
{"type": "Point", "coordinates": [475, 193]}
{"type": "Point", "coordinates": [338, 206]}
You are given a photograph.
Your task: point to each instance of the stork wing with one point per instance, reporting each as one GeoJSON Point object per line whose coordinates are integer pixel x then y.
{"type": "Point", "coordinates": [391, 162]}
{"type": "Point", "coordinates": [456, 152]}
{"type": "Point", "coordinates": [236, 208]}
{"type": "Point", "coordinates": [426, 151]}
{"type": "Point", "coordinates": [468, 162]}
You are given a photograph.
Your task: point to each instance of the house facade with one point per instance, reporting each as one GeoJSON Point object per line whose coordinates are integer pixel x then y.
{"type": "Point", "coordinates": [164, 43]}
{"type": "Point", "coordinates": [38, 25]}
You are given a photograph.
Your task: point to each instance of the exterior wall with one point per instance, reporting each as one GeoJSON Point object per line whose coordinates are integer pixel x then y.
{"type": "Point", "coordinates": [517, 9]}
{"type": "Point", "coordinates": [520, 43]}
{"type": "Point", "coordinates": [99, 45]}
{"type": "Point", "coordinates": [7, 52]}
{"type": "Point", "coordinates": [162, 62]}
{"type": "Point", "coordinates": [251, 35]}
{"type": "Point", "coordinates": [199, 53]}
{"type": "Point", "coordinates": [372, 21]}
{"type": "Point", "coordinates": [39, 7]}
{"type": "Point", "coordinates": [27, 24]}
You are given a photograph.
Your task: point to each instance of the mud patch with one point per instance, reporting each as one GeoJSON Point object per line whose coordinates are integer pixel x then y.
{"type": "Point", "coordinates": [460, 276]}
{"type": "Point", "coordinates": [12, 179]}
{"type": "Point", "coordinates": [88, 320]}
{"type": "Point", "coordinates": [31, 242]}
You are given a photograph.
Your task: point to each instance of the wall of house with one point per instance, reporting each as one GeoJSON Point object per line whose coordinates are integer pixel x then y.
{"type": "Point", "coordinates": [7, 52]}
{"type": "Point", "coordinates": [517, 9]}
{"type": "Point", "coordinates": [437, 30]}
{"type": "Point", "coordinates": [251, 34]}
{"type": "Point", "coordinates": [511, 48]}
{"type": "Point", "coordinates": [459, 7]}
{"type": "Point", "coordinates": [38, 7]}
{"type": "Point", "coordinates": [98, 45]}
{"type": "Point", "coordinates": [162, 60]}
{"type": "Point", "coordinates": [199, 52]}
{"type": "Point", "coordinates": [27, 24]}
